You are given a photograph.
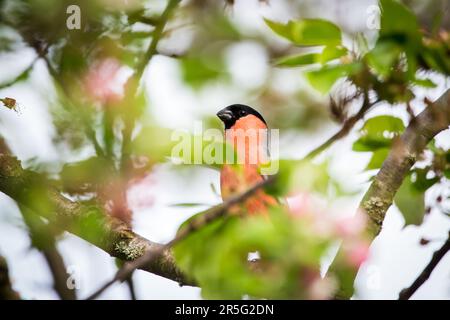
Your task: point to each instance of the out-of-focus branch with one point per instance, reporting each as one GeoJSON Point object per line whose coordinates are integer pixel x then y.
{"type": "Point", "coordinates": [89, 223]}
{"type": "Point", "coordinates": [207, 217]}
{"type": "Point", "coordinates": [406, 293]}
{"type": "Point", "coordinates": [90, 132]}
{"type": "Point", "coordinates": [20, 76]}
{"type": "Point", "coordinates": [42, 238]}
{"type": "Point", "coordinates": [133, 84]}
{"type": "Point", "coordinates": [345, 129]}
{"type": "Point", "coordinates": [130, 284]}
{"type": "Point", "coordinates": [108, 233]}
{"type": "Point", "coordinates": [6, 290]}
{"type": "Point", "coordinates": [157, 34]}
{"type": "Point", "coordinates": [404, 153]}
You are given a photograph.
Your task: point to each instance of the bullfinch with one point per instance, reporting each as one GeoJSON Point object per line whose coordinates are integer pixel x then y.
{"type": "Point", "coordinates": [247, 132]}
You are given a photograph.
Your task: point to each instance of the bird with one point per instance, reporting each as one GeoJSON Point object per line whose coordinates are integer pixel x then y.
{"type": "Point", "coordinates": [247, 132]}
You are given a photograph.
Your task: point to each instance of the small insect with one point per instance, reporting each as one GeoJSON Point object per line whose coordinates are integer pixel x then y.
{"type": "Point", "coordinates": [10, 103]}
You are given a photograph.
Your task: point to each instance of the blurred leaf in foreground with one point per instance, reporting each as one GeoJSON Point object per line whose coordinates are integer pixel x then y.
{"type": "Point", "coordinates": [410, 202]}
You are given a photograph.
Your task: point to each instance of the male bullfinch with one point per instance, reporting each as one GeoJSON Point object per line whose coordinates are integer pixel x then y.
{"type": "Point", "coordinates": [246, 130]}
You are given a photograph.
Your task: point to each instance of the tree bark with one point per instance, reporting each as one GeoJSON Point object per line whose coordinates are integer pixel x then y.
{"type": "Point", "coordinates": [404, 153]}
{"type": "Point", "coordinates": [402, 156]}
{"type": "Point", "coordinates": [6, 290]}
{"type": "Point", "coordinates": [87, 222]}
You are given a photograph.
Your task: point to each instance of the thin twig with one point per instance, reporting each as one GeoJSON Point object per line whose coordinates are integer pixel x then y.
{"type": "Point", "coordinates": [90, 133]}
{"type": "Point", "coordinates": [157, 34]}
{"type": "Point", "coordinates": [197, 223]}
{"type": "Point", "coordinates": [6, 290]}
{"type": "Point", "coordinates": [346, 128]}
{"type": "Point", "coordinates": [21, 75]}
{"type": "Point", "coordinates": [131, 288]}
{"type": "Point", "coordinates": [137, 77]}
{"type": "Point", "coordinates": [406, 293]}
{"type": "Point", "coordinates": [43, 239]}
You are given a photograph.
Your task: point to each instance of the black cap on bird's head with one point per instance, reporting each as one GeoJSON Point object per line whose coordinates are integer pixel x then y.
{"type": "Point", "coordinates": [231, 114]}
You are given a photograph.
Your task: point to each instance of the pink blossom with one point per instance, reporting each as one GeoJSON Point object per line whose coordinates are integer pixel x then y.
{"type": "Point", "coordinates": [349, 227]}
{"type": "Point", "coordinates": [357, 253]}
{"type": "Point", "coordinates": [321, 289]}
{"type": "Point", "coordinates": [105, 81]}
{"type": "Point", "coordinates": [300, 204]}
{"type": "Point", "coordinates": [318, 288]}
{"type": "Point", "coordinates": [141, 194]}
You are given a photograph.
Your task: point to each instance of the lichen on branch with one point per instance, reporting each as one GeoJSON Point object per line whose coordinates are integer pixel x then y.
{"type": "Point", "coordinates": [88, 222]}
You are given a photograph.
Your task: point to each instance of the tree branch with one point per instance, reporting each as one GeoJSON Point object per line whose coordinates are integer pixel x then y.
{"type": "Point", "coordinates": [403, 154]}
{"type": "Point", "coordinates": [406, 293]}
{"type": "Point", "coordinates": [107, 233]}
{"type": "Point", "coordinates": [89, 223]}
{"type": "Point", "coordinates": [197, 223]}
{"type": "Point", "coordinates": [6, 290]}
{"type": "Point", "coordinates": [345, 129]}
{"type": "Point", "coordinates": [22, 75]}
{"type": "Point", "coordinates": [43, 238]}
{"type": "Point", "coordinates": [157, 34]}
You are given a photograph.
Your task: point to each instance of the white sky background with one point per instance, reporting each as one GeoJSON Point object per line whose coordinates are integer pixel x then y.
{"type": "Point", "coordinates": [396, 257]}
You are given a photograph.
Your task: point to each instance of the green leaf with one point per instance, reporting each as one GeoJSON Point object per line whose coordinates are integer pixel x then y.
{"type": "Point", "coordinates": [303, 175]}
{"type": "Point", "coordinates": [447, 173]}
{"type": "Point", "coordinates": [426, 83]}
{"type": "Point", "coordinates": [421, 182]}
{"type": "Point", "coordinates": [188, 204]}
{"type": "Point", "coordinates": [323, 79]}
{"type": "Point", "coordinates": [160, 144]}
{"type": "Point", "coordinates": [436, 58]}
{"type": "Point", "coordinates": [377, 159]}
{"type": "Point", "coordinates": [83, 176]}
{"type": "Point", "coordinates": [396, 18]}
{"type": "Point", "coordinates": [410, 202]}
{"type": "Point", "coordinates": [328, 54]}
{"type": "Point", "coordinates": [279, 28]}
{"type": "Point", "coordinates": [298, 60]}
{"type": "Point", "coordinates": [199, 70]}
{"type": "Point", "coordinates": [378, 133]}
{"type": "Point", "coordinates": [383, 56]}
{"type": "Point", "coordinates": [308, 32]}
{"type": "Point", "coordinates": [153, 142]}
{"type": "Point", "coordinates": [216, 256]}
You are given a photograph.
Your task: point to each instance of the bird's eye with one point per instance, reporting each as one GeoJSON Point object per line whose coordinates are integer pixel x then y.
{"type": "Point", "coordinates": [242, 113]}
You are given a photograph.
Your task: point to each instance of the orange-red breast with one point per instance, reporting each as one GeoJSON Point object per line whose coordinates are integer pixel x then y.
{"type": "Point", "coordinates": [246, 130]}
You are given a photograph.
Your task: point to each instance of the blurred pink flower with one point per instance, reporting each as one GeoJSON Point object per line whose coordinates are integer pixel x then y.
{"type": "Point", "coordinates": [304, 205]}
{"type": "Point", "coordinates": [140, 194]}
{"type": "Point", "coordinates": [321, 289]}
{"type": "Point", "coordinates": [357, 253]}
{"type": "Point", "coordinates": [105, 81]}
{"type": "Point", "coordinates": [317, 288]}
{"type": "Point", "coordinates": [300, 204]}
{"type": "Point", "coordinates": [350, 227]}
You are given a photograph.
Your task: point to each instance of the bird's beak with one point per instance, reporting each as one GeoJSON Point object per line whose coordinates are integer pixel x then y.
{"type": "Point", "coordinates": [225, 115]}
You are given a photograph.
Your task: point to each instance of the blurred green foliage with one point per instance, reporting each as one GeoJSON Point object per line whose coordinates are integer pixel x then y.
{"type": "Point", "coordinates": [378, 132]}
{"type": "Point", "coordinates": [410, 202]}
{"type": "Point", "coordinates": [389, 68]}
{"type": "Point", "coordinates": [120, 142]}
{"type": "Point", "coordinates": [290, 253]}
